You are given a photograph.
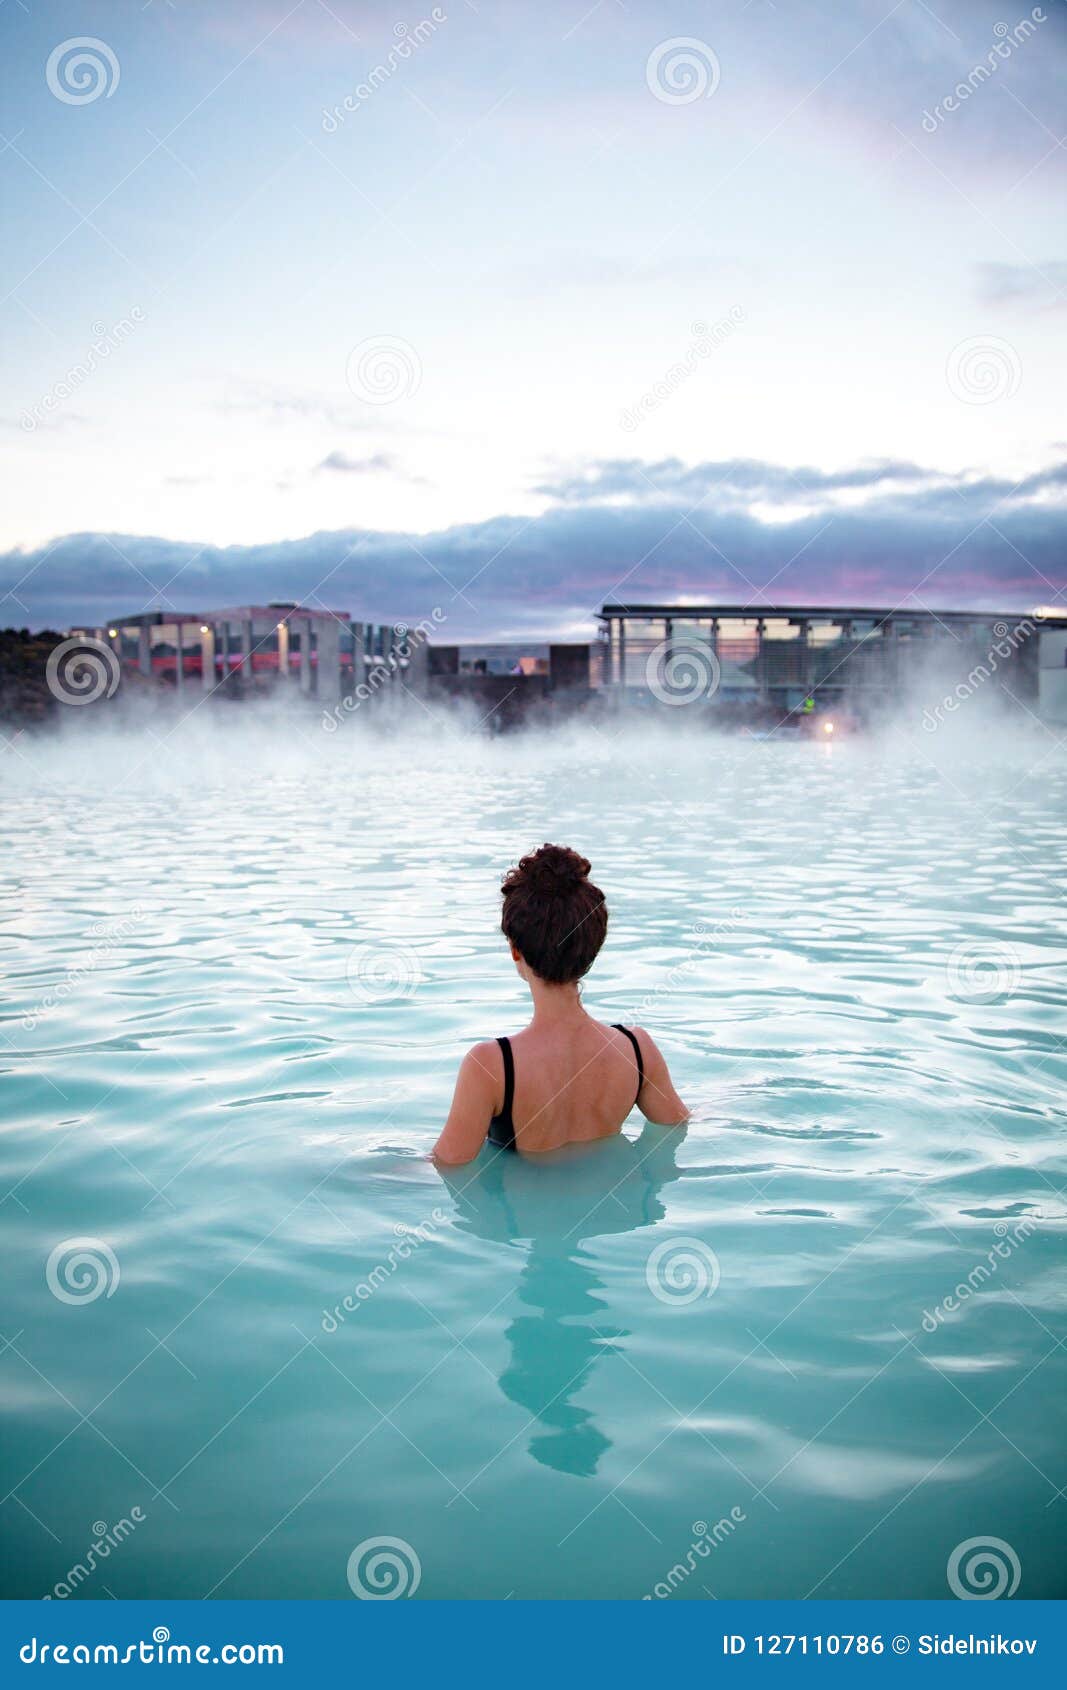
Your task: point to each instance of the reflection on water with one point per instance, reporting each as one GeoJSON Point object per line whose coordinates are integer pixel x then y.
{"type": "Point", "coordinates": [549, 1209]}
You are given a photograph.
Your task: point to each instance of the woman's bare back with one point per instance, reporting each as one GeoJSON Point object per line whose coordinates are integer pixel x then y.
{"type": "Point", "coordinates": [572, 1083]}
{"type": "Point", "coordinates": [574, 1080]}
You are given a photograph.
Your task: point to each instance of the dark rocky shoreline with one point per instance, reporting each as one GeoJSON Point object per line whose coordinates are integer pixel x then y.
{"type": "Point", "coordinates": [24, 694]}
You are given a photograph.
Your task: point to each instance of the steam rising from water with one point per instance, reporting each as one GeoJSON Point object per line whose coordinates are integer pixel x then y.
{"type": "Point", "coordinates": [153, 743]}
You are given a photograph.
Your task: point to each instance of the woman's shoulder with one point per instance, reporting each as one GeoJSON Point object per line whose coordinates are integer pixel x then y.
{"type": "Point", "coordinates": [631, 1028]}
{"type": "Point", "coordinates": [485, 1056]}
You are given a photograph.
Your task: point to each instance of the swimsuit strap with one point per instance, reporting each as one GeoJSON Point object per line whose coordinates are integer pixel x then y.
{"type": "Point", "coordinates": [619, 1028]}
{"type": "Point", "coordinates": [509, 1077]}
{"type": "Point", "coordinates": [502, 1126]}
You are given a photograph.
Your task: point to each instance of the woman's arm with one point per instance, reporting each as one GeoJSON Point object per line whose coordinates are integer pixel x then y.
{"type": "Point", "coordinates": [479, 1089]}
{"type": "Point", "coordinates": [658, 1101]}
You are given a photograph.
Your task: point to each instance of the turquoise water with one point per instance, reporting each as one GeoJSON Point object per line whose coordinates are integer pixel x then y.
{"type": "Point", "coordinates": [241, 968]}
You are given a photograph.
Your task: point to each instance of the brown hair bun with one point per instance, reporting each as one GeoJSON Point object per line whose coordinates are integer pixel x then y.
{"type": "Point", "coordinates": [553, 914]}
{"type": "Point", "coordinates": [551, 869]}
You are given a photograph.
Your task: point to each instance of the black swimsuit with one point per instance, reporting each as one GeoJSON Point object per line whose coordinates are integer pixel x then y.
{"type": "Point", "coordinates": [502, 1126]}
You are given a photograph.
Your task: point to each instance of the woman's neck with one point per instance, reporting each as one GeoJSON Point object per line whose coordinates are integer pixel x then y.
{"type": "Point", "coordinates": [553, 1005]}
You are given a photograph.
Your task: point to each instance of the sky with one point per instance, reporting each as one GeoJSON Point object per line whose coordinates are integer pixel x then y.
{"type": "Point", "coordinates": [502, 310]}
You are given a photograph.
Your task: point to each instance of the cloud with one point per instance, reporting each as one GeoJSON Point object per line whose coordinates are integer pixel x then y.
{"type": "Point", "coordinates": [380, 464]}
{"type": "Point", "coordinates": [53, 420]}
{"type": "Point", "coordinates": [282, 404]}
{"type": "Point", "coordinates": [915, 537]}
{"type": "Point", "coordinates": [883, 488]}
{"type": "Point", "coordinates": [1041, 285]}
{"type": "Point", "coordinates": [734, 480]}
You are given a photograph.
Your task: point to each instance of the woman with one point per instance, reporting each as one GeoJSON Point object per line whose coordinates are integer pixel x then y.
{"type": "Point", "coordinates": [565, 1079]}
